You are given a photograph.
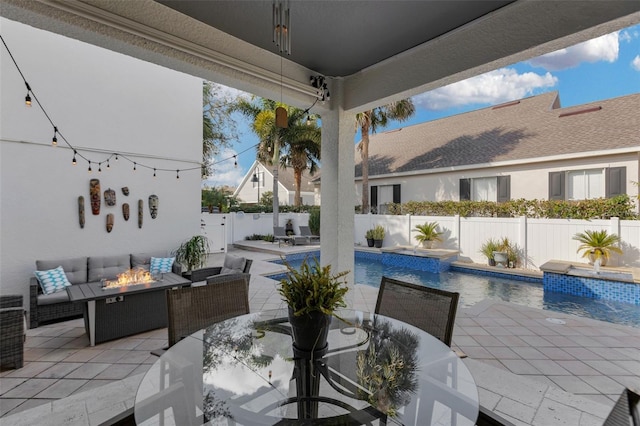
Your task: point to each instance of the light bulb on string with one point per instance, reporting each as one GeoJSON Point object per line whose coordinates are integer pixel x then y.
{"type": "Point", "coordinates": [99, 167]}
{"type": "Point", "coordinates": [27, 99]}
{"type": "Point", "coordinates": [116, 157]}
{"type": "Point", "coordinates": [54, 141]}
{"type": "Point", "coordinates": [134, 166]}
{"type": "Point", "coordinates": [177, 174]}
{"type": "Point", "coordinates": [108, 165]}
{"type": "Point", "coordinates": [235, 161]}
{"type": "Point", "coordinates": [154, 172]}
{"type": "Point", "coordinates": [89, 170]}
{"type": "Point", "coordinates": [74, 162]}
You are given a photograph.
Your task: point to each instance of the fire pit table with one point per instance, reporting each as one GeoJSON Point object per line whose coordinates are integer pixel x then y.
{"type": "Point", "coordinates": [112, 313]}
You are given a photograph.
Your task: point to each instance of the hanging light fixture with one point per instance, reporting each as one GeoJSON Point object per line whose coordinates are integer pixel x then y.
{"type": "Point", "coordinates": [74, 162]}
{"type": "Point", "coordinates": [54, 141]}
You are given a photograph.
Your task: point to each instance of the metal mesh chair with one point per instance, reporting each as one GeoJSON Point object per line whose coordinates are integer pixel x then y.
{"type": "Point", "coordinates": [190, 309]}
{"type": "Point", "coordinates": [305, 231]}
{"type": "Point", "coordinates": [429, 309]}
{"type": "Point", "coordinates": [626, 411]}
{"type": "Point", "coordinates": [12, 331]}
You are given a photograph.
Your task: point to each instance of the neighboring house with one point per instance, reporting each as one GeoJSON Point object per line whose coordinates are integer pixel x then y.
{"type": "Point", "coordinates": [251, 189]}
{"type": "Point", "coordinates": [529, 148]}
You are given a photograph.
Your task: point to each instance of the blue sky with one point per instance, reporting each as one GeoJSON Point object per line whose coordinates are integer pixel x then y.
{"type": "Point", "coordinates": [602, 68]}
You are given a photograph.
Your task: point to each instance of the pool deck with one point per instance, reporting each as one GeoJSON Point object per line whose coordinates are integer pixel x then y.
{"type": "Point", "coordinates": [532, 366]}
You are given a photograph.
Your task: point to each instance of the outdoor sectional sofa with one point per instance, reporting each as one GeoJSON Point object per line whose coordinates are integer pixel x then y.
{"type": "Point", "coordinates": [79, 270]}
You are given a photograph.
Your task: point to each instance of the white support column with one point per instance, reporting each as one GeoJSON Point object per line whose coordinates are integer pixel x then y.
{"type": "Point", "coordinates": [522, 241]}
{"type": "Point", "coordinates": [338, 190]}
{"type": "Point", "coordinates": [614, 228]}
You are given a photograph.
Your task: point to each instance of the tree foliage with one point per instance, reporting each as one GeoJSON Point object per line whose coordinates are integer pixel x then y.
{"type": "Point", "coordinates": [370, 121]}
{"type": "Point", "coordinates": [219, 128]}
{"type": "Point", "coordinates": [297, 146]}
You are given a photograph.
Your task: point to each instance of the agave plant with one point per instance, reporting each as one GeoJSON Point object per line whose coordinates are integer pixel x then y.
{"type": "Point", "coordinates": [597, 245]}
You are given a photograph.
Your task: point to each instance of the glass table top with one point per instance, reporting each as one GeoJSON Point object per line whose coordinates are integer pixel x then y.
{"type": "Point", "coordinates": [245, 371]}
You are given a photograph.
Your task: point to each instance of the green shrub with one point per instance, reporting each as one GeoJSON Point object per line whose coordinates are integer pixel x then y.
{"type": "Point", "coordinates": [314, 220]}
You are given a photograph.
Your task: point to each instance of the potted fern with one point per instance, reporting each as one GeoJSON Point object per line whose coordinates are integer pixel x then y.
{"type": "Point", "coordinates": [428, 234]}
{"type": "Point", "coordinates": [312, 293]}
{"type": "Point", "coordinates": [488, 248]}
{"type": "Point", "coordinates": [369, 236]}
{"type": "Point", "coordinates": [597, 245]}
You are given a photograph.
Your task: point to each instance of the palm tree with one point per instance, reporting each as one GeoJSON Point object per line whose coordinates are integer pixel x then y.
{"type": "Point", "coordinates": [370, 121]}
{"type": "Point", "coordinates": [297, 146]}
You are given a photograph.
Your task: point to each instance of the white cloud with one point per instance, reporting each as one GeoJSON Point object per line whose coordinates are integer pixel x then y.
{"type": "Point", "coordinates": [635, 64]}
{"type": "Point", "coordinates": [224, 172]}
{"type": "Point", "coordinates": [603, 48]}
{"type": "Point", "coordinates": [497, 86]}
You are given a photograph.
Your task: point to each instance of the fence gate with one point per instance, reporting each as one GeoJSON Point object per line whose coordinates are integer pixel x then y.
{"type": "Point", "coordinates": [213, 227]}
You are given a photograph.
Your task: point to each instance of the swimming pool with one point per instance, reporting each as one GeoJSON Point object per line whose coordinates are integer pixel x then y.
{"type": "Point", "coordinates": [474, 288]}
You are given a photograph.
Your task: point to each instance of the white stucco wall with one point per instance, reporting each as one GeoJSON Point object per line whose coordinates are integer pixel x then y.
{"type": "Point", "coordinates": [529, 181]}
{"type": "Point", "coordinates": [99, 100]}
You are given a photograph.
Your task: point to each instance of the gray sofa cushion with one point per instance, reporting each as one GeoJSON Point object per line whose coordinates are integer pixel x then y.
{"type": "Point", "coordinates": [50, 299]}
{"type": "Point", "coordinates": [75, 269]}
{"type": "Point", "coordinates": [143, 260]}
{"type": "Point", "coordinates": [108, 267]}
{"type": "Point", "coordinates": [233, 265]}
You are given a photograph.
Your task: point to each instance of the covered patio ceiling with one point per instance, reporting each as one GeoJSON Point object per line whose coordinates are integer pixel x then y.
{"type": "Point", "coordinates": [379, 50]}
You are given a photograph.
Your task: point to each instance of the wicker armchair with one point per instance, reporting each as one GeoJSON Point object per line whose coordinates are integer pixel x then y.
{"type": "Point", "coordinates": [190, 309]}
{"type": "Point", "coordinates": [626, 411]}
{"type": "Point", "coordinates": [203, 273]}
{"type": "Point", "coordinates": [429, 309]}
{"type": "Point", "coordinates": [12, 331]}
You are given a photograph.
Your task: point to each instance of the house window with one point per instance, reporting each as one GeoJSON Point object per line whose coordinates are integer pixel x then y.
{"type": "Point", "coordinates": [587, 184]}
{"type": "Point", "coordinates": [496, 188]}
{"type": "Point", "coordinates": [382, 195]}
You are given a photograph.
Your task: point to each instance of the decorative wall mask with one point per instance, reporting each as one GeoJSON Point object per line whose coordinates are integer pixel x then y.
{"type": "Point", "coordinates": [125, 211]}
{"type": "Point", "coordinates": [140, 212]}
{"type": "Point", "coordinates": [153, 206]}
{"type": "Point", "coordinates": [110, 197]}
{"type": "Point", "coordinates": [94, 193]}
{"type": "Point", "coordinates": [81, 211]}
{"type": "Point", "coordinates": [109, 222]}
{"type": "Point", "coordinates": [125, 190]}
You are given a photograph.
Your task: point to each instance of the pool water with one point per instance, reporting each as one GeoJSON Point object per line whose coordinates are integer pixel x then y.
{"type": "Point", "coordinates": [474, 288]}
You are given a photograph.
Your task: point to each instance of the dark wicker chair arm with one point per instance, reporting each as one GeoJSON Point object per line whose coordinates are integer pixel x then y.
{"type": "Point", "coordinates": [202, 274]}
{"type": "Point", "coordinates": [33, 302]}
{"type": "Point", "coordinates": [176, 268]}
{"type": "Point", "coordinates": [11, 301]}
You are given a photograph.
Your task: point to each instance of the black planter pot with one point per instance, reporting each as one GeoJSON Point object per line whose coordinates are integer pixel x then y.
{"type": "Point", "coordinates": [310, 331]}
{"type": "Point", "coordinates": [370, 242]}
{"type": "Point", "coordinates": [377, 243]}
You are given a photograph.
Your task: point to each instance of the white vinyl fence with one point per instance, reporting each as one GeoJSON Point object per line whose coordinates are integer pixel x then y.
{"type": "Point", "coordinates": [538, 240]}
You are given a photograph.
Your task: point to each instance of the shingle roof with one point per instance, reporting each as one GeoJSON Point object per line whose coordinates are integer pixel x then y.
{"type": "Point", "coordinates": [529, 128]}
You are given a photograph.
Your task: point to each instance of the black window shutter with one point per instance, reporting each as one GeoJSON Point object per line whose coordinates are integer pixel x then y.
{"type": "Point", "coordinates": [504, 188]}
{"type": "Point", "coordinates": [556, 185]}
{"type": "Point", "coordinates": [396, 194]}
{"type": "Point", "coordinates": [615, 181]}
{"type": "Point", "coordinates": [465, 189]}
{"type": "Point", "coordinates": [374, 199]}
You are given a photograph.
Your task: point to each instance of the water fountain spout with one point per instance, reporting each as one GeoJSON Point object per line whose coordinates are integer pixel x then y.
{"type": "Point", "coordinates": [596, 265]}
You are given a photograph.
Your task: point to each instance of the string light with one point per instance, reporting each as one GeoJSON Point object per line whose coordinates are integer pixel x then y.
{"type": "Point", "coordinates": [74, 162]}
{"type": "Point", "coordinates": [177, 174]}
{"type": "Point", "coordinates": [116, 156]}
{"type": "Point", "coordinates": [108, 165]}
{"type": "Point", "coordinates": [134, 166]}
{"type": "Point", "coordinates": [154, 172]}
{"type": "Point", "coordinates": [89, 167]}
{"type": "Point", "coordinates": [235, 161]}
{"type": "Point", "coordinates": [54, 141]}
{"type": "Point", "coordinates": [99, 167]}
{"type": "Point", "coordinates": [27, 99]}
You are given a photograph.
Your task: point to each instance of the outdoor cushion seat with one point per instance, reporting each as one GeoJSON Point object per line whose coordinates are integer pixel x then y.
{"type": "Point", "coordinates": [240, 265]}
{"type": "Point", "coordinates": [57, 297]}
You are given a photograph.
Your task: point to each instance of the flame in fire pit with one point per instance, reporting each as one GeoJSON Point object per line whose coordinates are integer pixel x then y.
{"type": "Point", "coordinates": [130, 277]}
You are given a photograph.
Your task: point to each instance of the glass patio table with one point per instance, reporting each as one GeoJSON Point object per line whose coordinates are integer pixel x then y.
{"type": "Point", "coordinates": [245, 371]}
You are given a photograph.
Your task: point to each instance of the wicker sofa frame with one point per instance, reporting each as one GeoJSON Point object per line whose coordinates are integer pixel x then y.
{"type": "Point", "coordinates": [12, 332]}
{"type": "Point", "coordinates": [64, 310]}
